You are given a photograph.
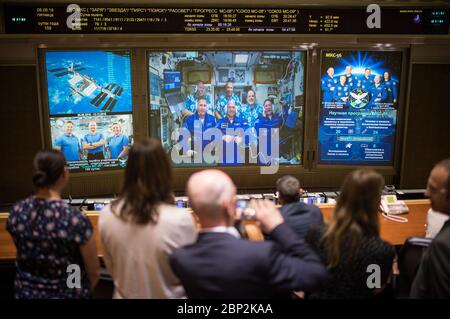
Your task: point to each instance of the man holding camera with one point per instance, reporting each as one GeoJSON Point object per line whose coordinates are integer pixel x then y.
{"type": "Point", "coordinates": [222, 265]}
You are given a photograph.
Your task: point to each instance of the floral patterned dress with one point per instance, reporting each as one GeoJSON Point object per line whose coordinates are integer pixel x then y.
{"type": "Point", "coordinates": [48, 235]}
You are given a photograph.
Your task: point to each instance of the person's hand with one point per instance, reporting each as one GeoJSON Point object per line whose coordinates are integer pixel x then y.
{"type": "Point", "coordinates": [267, 214]}
{"type": "Point", "coordinates": [300, 294]}
{"type": "Point", "coordinates": [238, 140]}
{"type": "Point", "coordinates": [395, 269]}
{"type": "Point", "coordinates": [228, 138]}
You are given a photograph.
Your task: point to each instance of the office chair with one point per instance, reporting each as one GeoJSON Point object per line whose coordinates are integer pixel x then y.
{"type": "Point", "coordinates": [410, 256]}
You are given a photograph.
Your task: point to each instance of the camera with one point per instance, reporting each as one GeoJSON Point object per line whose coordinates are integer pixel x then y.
{"type": "Point", "coordinates": [243, 211]}
{"type": "Point", "coordinates": [99, 206]}
{"type": "Point", "coordinates": [180, 203]}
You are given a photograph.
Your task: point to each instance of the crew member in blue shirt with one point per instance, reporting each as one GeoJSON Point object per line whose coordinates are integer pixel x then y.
{"type": "Point", "coordinates": [352, 80]}
{"type": "Point", "coordinates": [94, 143]}
{"type": "Point", "coordinates": [269, 119]}
{"type": "Point", "coordinates": [230, 127]}
{"type": "Point", "coordinates": [366, 80]}
{"type": "Point", "coordinates": [222, 101]}
{"type": "Point", "coordinates": [264, 126]}
{"type": "Point", "coordinates": [328, 84]}
{"type": "Point", "coordinates": [391, 88]}
{"type": "Point", "coordinates": [250, 113]}
{"type": "Point", "coordinates": [117, 145]}
{"type": "Point", "coordinates": [252, 110]}
{"type": "Point", "coordinates": [190, 103]}
{"type": "Point", "coordinates": [378, 93]}
{"type": "Point", "coordinates": [69, 144]}
{"type": "Point", "coordinates": [199, 122]}
{"type": "Point", "coordinates": [341, 92]}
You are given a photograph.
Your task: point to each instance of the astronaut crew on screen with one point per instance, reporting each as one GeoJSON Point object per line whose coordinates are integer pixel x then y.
{"type": "Point", "coordinates": [229, 111]}
{"type": "Point", "coordinates": [95, 144]}
{"type": "Point", "coordinates": [375, 91]}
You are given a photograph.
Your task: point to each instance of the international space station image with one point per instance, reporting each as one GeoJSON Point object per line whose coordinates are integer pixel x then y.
{"type": "Point", "coordinates": [86, 86]}
{"type": "Point", "coordinates": [88, 82]}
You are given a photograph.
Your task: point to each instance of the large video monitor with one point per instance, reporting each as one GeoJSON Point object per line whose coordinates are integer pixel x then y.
{"type": "Point", "coordinates": [228, 108]}
{"type": "Point", "coordinates": [89, 107]}
{"type": "Point", "coordinates": [359, 102]}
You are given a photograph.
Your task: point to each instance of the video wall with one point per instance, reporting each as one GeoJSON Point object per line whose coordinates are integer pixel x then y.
{"type": "Point", "coordinates": [90, 107]}
{"type": "Point", "coordinates": [359, 102]}
{"type": "Point", "coordinates": [233, 108]}
{"type": "Point", "coordinates": [224, 108]}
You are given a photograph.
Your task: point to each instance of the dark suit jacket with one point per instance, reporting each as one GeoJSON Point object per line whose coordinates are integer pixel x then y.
{"type": "Point", "coordinates": [300, 216]}
{"type": "Point", "coordinates": [433, 277]}
{"type": "Point", "coordinates": [219, 265]}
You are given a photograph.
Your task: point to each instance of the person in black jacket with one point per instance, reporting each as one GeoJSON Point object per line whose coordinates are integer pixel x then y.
{"type": "Point", "coordinates": [433, 277]}
{"type": "Point", "coordinates": [350, 245]}
{"type": "Point", "coordinates": [221, 265]}
{"type": "Point", "coordinates": [299, 216]}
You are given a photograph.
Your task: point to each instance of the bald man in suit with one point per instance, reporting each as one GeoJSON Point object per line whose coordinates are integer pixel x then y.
{"type": "Point", "coordinates": [222, 265]}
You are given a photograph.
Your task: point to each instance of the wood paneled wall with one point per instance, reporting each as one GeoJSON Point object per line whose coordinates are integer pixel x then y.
{"type": "Point", "coordinates": [20, 132]}
{"type": "Point", "coordinates": [427, 138]}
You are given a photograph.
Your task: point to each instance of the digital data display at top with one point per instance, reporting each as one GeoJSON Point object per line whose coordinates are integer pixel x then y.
{"type": "Point", "coordinates": [72, 19]}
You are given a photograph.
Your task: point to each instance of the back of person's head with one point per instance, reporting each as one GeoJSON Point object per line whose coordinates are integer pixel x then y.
{"type": "Point", "coordinates": [212, 197]}
{"type": "Point", "coordinates": [438, 187]}
{"type": "Point", "coordinates": [48, 166]}
{"type": "Point", "coordinates": [356, 213]}
{"type": "Point", "coordinates": [288, 188]}
{"type": "Point", "coordinates": [147, 183]}
{"type": "Point", "coordinates": [445, 164]}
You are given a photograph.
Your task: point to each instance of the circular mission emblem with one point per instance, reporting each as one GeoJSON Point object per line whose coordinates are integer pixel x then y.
{"type": "Point", "coordinates": [359, 98]}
